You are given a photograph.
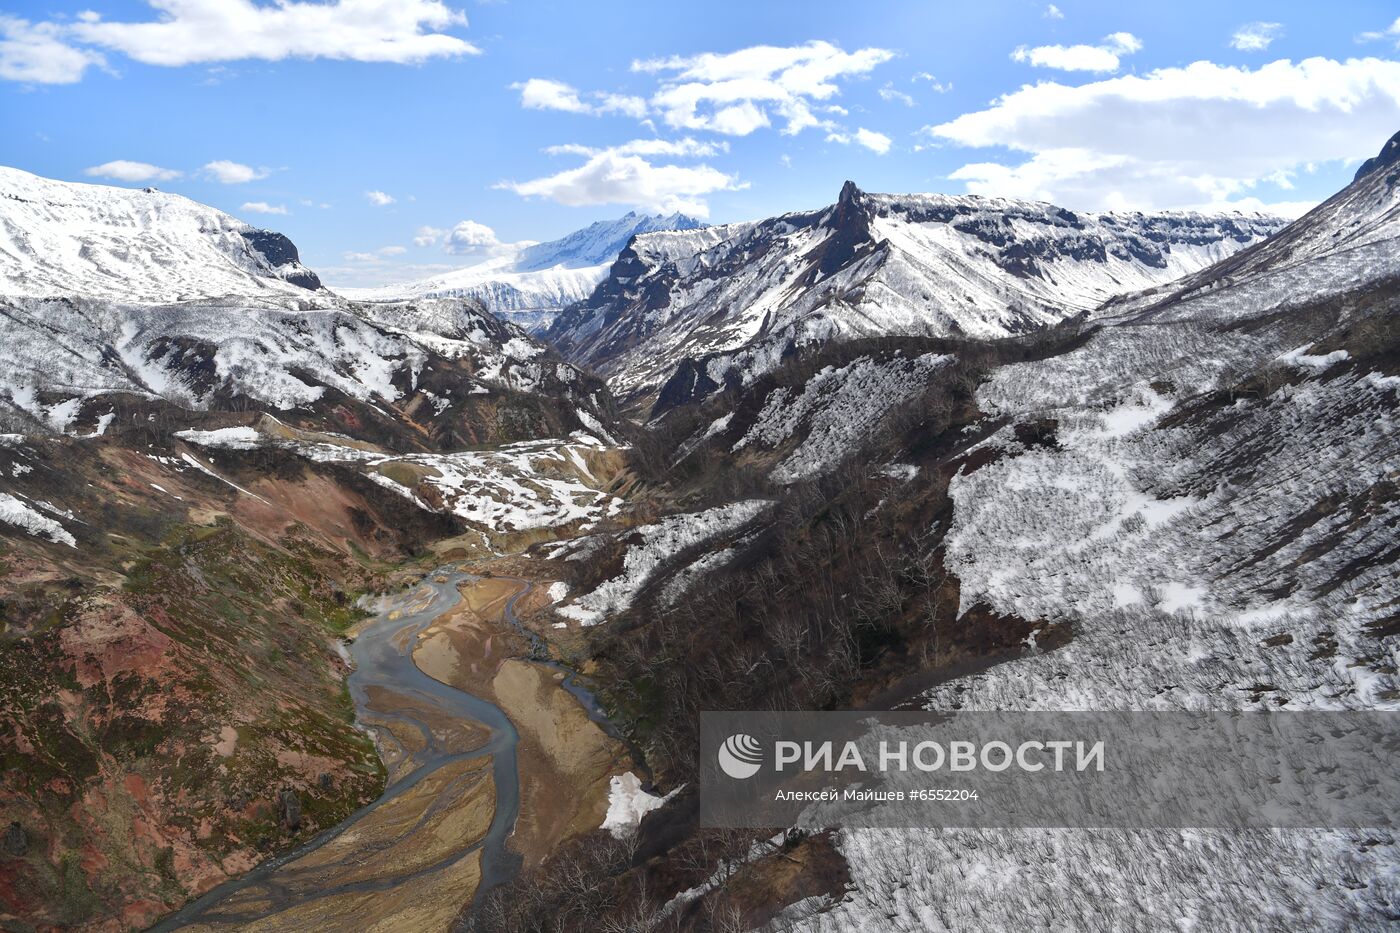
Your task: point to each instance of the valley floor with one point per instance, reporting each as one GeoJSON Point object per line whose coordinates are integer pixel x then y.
{"type": "Point", "coordinates": [469, 799]}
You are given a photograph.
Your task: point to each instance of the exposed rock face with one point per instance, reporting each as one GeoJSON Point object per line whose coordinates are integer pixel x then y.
{"type": "Point", "coordinates": [735, 299]}
{"type": "Point", "coordinates": [281, 252]}
{"type": "Point", "coordinates": [289, 809]}
{"type": "Point", "coordinates": [1389, 155]}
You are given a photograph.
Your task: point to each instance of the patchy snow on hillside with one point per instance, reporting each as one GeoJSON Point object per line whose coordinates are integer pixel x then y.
{"type": "Point", "coordinates": [659, 544]}
{"type": "Point", "coordinates": [516, 487]}
{"type": "Point", "coordinates": [1097, 881]}
{"type": "Point", "coordinates": [1123, 513]}
{"type": "Point", "coordinates": [16, 513]}
{"type": "Point", "coordinates": [837, 407]}
{"type": "Point", "coordinates": [1211, 555]}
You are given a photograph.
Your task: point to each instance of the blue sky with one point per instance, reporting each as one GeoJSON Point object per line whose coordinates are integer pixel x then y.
{"type": "Point", "coordinates": [396, 138]}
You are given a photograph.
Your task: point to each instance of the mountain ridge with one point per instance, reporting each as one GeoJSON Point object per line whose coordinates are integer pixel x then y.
{"type": "Point", "coordinates": [134, 244]}
{"type": "Point", "coordinates": [736, 299]}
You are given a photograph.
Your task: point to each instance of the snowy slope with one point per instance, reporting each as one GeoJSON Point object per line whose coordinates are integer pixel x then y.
{"type": "Point", "coordinates": [1216, 517]}
{"type": "Point", "coordinates": [282, 355]}
{"type": "Point", "coordinates": [532, 281]}
{"type": "Point", "coordinates": [835, 409]}
{"type": "Point", "coordinates": [725, 303]}
{"type": "Point", "coordinates": [1351, 239]}
{"type": "Point", "coordinates": [600, 242]}
{"type": "Point", "coordinates": [544, 483]}
{"type": "Point", "coordinates": [61, 238]}
{"type": "Point", "coordinates": [1209, 556]}
{"type": "Point", "coordinates": [110, 290]}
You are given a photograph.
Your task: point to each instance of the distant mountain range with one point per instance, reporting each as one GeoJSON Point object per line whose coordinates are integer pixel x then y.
{"type": "Point", "coordinates": [531, 283]}
{"type": "Point", "coordinates": [702, 308]}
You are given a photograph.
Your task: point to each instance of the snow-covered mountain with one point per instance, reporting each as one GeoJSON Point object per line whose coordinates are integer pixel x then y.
{"type": "Point", "coordinates": [706, 307]}
{"type": "Point", "coordinates": [107, 290]}
{"type": "Point", "coordinates": [599, 242]}
{"type": "Point", "coordinates": [1348, 241]}
{"type": "Point", "coordinates": [62, 238]}
{"type": "Point", "coordinates": [531, 282]}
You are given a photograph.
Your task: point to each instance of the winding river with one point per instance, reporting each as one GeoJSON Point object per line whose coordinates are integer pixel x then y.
{"type": "Point", "coordinates": [422, 727]}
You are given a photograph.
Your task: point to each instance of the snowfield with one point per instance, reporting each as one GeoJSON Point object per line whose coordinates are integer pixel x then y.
{"type": "Point", "coordinates": [60, 239]}
{"type": "Point", "coordinates": [531, 282]}
{"type": "Point", "coordinates": [628, 803]}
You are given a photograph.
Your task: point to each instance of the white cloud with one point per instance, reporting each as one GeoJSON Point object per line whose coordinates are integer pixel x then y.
{"type": "Point", "coordinates": [428, 236]}
{"type": "Point", "coordinates": [1053, 12]}
{"type": "Point", "coordinates": [392, 250]}
{"type": "Point", "coordinates": [621, 103]}
{"type": "Point", "coordinates": [1200, 135]}
{"type": "Point", "coordinates": [379, 198]}
{"type": "Point", "coordinates": [470, 237]}
{"type": "Point", "coordinates": [125, 170]}
{"type": "Point", "coordinates": [1104, 57]}
{"type": "Point", "coordinates": [890, 93]}
{"type": "Point", "coordinates": [36, 53]}
{"type": "Point", "coordinates": [361, 257]}
{"type": "Point", "coordinates": [1391, 31]}
{"type": "Point", "coordinates": [544, 94]}
{"type": "Point", "coordinates": [737, 93]}
{"type": "Point", "coordinates": [262, 207]}
{"type": "Point", "coordinates": [1256, 37]}
{"type": "Point", "coordinates": [190, 31]}
{"type": "Point", "coordinates": [626, 175]}
{"type": "Point", "coordinates": [233, 173]}
{"type": "Point", "coordinates": [687, 146]}
{"type": "Point", "coordinates": [938, 87]}
{"type": "Point", "coordinates": [878, 143]}
{"type": "Point", "coordinates": [547, 94]}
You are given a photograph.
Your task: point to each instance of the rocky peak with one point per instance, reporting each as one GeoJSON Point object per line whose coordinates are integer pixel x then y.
{"type": "Point", "coordinates": [1389, 155]}
{"type": "Point", "coordinates": [282, 254]}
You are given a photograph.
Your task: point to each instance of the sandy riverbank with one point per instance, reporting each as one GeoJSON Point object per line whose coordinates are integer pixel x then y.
{"type": "Point", "coordinates": [565, 759]}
